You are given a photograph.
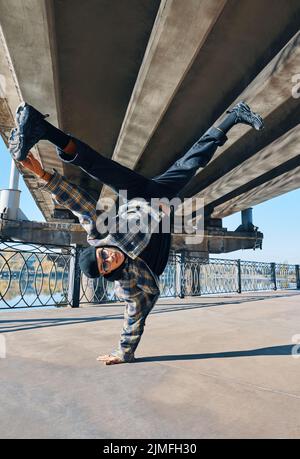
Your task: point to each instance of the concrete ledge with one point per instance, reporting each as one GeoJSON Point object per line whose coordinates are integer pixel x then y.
{"type": "Point", "coordinates": [215, 240]}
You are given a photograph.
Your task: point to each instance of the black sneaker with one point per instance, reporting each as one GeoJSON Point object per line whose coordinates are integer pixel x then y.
{"type": "Point", "coordinates": [245, 115]}
{"type": "Point", "coordinates": [30, 129]}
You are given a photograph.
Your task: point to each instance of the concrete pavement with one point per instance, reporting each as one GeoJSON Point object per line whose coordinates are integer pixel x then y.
{"type": "Point", "coordinates": [209, 367]}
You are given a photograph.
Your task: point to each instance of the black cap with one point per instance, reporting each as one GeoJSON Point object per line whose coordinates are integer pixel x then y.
{"type": "Point", "coordinates": [88, 262]}
{"type": "Point", "coordinates": [89, 266]}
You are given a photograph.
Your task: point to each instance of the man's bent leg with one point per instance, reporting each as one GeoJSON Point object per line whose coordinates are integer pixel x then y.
{"type": "Point", "coordinates": [106, 170]}
{"type": "Point", "coordinates": [181, 172]}
{"type": "Point", "coordinates": [178, 175]}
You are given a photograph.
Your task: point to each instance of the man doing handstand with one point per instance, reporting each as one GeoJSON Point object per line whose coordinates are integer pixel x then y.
{"type": "Point", "coordinates": [133, 260]}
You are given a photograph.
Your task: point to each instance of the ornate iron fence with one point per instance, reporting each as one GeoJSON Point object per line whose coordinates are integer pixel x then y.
{"type": "Point", "coordinates": [256, 276]}
{"type": "Point", "coordinates": [202, 276]}
{"type": "Point", "coordinates": [101, 291]}
{"type": "Point", "coordinates": [286, 276]}
{"type": "Point", "coordinates": [33, 276]}
{"type": "Point", "coordinates": [96, 291]}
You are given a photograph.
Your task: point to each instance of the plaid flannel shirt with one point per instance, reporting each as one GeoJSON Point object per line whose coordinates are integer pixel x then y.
{"type": "Point", "coordinates": [125, 234]}
{"type": "Point", "coordinates": [139, 286]}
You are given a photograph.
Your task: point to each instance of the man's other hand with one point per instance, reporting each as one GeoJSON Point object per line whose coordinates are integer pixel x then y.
{"type": "Point", "coordinates": [33, 165]}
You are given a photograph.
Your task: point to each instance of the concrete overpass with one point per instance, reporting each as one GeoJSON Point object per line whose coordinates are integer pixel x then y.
{"type": "Point", "coordinates": [141, 80]}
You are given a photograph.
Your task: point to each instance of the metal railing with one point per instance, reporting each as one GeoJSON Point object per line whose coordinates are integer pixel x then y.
{"type": "Point", "coordinates": [33, 276]}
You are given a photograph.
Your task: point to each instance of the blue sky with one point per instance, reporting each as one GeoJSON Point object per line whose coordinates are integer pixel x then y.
{"type": "Point", "coordinates": [278, 219]}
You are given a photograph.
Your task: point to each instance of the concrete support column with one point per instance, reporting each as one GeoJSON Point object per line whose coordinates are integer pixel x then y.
{"type": "Point", "coordinates": [10, 198]}
{"type": "Point", "coordinates": [273, 275]}
{"type": "Point", "coordinates": [239, 272]}
{"type": "Point", "coordinates": [182, 275]}
{"type": "Point", "coordinates": [74, 279]}
{"type": "Point", "coordinates": [9, 203]}
{"type": "Point", "coordinates": [247, 218]}
{"type": "Point", "coordinates": [297, 277]}
{"type": "Point", "coordinates": [14, 176]}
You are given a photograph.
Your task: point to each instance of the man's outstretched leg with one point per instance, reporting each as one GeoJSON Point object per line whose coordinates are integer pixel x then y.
{"type": "Point", "coordinates": [32, 127]}
{"type": "Point", "coordinates": [182, 171]}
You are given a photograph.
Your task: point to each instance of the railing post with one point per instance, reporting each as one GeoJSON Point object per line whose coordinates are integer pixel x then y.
{"type": "Point", "coordinates": [297, 276]}
{"type": "Point", "coordinates": [74, 279]}
{"type": "Point", "coordinates": [182, 275]}
{"type": "Point", "coordinates": [273, 275]}
{"type": "Point", "coordinates": [239, 276]}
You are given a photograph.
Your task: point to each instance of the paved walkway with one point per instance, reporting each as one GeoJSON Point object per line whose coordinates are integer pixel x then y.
{"type": "Point", "coordinates": [209, 367]}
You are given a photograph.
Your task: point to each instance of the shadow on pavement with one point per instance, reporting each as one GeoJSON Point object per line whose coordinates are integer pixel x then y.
{"type": "Point", "coordinates": [272, 351]}
{"type": "Point", "coordinates": [14, 325]}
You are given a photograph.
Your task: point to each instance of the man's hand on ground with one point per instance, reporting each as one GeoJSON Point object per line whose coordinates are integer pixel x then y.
{"type": "Point", "coordinates": [109, 359]}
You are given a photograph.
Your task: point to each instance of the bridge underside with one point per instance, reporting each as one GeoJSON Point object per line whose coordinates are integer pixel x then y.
{"type": "Point", "coordinates": [141, 80]}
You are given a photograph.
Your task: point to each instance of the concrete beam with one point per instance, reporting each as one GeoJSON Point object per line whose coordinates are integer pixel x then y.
{"type": "Point", "coordinates": [221, 241]}
{"type": "Point", "coordinates": [27, 74]}
{"type": "Point", "coordinates": [94, 72]}
{"type": "Point", "coordinates": [271, 163]}
{"type": "Point", "coordinates": [214, 240]}
{"type": "Point", "coordinates": [98, 67]}
{"type": "Point", "coordinates": [179, 31]}
{"type": "Point", "coordinates": [248, 154]}
{"type": "Point", "coordinates": [285, 183]}
{"type": "Point", "coordinates": [25, 28]}
{"type": "Point", "coordinates": [43, 233]}
{"type": "Point", "coordinates": [10, 95]}
{"type": "Point", "coordinates": [183, 85]}
{"type": "Point", "coordinates": [244, 39]}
